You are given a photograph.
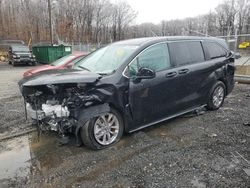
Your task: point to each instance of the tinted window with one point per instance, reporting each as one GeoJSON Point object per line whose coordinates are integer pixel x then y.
{"type": "Point", "coordinates": [155, 58]}
{"type": "Point", "coordinates": [186, 52]}
{"type": "Point", "coordinates": [213, 50]}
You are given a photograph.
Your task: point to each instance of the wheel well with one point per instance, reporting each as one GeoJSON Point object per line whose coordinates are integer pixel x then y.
{"type": "Point", "coordinates": [120, 113]}
{"type": "Point", "coordinates": [223, 81]}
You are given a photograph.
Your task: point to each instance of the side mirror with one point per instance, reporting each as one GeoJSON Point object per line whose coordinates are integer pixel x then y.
{"type": "Point", "coordinates": [237, 55]}
{"type": "Point", "coordinates": [145, 73]}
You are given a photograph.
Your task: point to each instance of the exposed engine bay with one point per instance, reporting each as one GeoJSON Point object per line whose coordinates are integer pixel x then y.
{"type": "Point", "coordinates": [57, 107]}
{"type": "Point", "coordinates": [65, 100]}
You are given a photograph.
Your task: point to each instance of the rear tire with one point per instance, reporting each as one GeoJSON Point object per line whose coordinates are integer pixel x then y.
{"type": "Point", "coordinates": [103, 131]}
{"type": "Point", "coordinates": [217, 96]}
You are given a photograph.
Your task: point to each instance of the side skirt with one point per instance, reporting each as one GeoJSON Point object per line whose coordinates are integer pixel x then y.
{"type": "Point", "coordinates": [167, 118]}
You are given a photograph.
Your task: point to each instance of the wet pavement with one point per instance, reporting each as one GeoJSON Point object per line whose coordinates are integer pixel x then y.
{"type": "Point", "coordinates": [15, 158]}
{"type": "Point", "coordinates": [210, 150]}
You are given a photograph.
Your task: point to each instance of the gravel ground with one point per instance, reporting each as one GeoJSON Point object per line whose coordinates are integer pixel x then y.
{"type": "Point", "coordinates": [11, 103]}
{"type": "Point", "coordinates": [209, 150]}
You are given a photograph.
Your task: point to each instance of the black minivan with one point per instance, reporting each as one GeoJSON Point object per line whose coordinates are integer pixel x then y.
{"type": "Point", "coordinates": [129, 85]}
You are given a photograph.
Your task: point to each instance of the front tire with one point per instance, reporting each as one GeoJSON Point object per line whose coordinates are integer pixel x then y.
{"type": "Point", "coordinates": [103, 131]}
{"type": "Point", "coordinates": [217, 96]}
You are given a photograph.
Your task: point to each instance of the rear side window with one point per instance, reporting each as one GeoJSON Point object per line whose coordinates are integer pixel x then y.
{"type": "Point", "coordinates": [213, 50]}
{"type": "Point", "coordinates": [187, 52]}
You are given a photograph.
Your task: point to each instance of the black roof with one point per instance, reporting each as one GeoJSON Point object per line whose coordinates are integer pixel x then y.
{"type": "Point", "coordinates": [152, 40]}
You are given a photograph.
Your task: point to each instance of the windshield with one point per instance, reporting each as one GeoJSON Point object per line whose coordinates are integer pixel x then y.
{"type": "Point", "coordinates": [107, 59]}
{"type": "Point", "coordinates": [20, 49]}
{"type": "Point", "coordinates": [63, 60]}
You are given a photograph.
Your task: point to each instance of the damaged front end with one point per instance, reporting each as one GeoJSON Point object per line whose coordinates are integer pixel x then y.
{"type": "Point", "coordinates": [57, 105]}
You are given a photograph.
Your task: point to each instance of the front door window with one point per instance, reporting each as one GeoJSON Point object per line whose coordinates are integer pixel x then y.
{"type": "Point", "coordinates": [155, 58]}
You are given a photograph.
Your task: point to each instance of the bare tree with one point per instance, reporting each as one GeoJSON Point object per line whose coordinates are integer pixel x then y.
{"type": "Point", "coordinates": [102, 21]}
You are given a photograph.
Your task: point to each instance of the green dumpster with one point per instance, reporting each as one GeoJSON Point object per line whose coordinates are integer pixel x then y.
{"type": "Point", "coordinates": [48, 54]}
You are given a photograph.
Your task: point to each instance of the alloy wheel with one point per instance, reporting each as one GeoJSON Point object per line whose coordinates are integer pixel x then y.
{"type": "Point", "coordinates": [106, 129]}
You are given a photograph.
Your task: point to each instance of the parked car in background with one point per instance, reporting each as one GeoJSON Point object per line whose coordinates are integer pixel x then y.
{"type": "Point", "coordinates": [21, 54]}
{"type": "Point", "coordinates": [130, 85]}
{"type": "Point", "coordinates": [244, 45]}
{"type": "Point", "coordinates": [62, 63]}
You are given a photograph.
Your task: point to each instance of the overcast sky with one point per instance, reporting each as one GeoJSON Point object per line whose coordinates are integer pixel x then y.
{"type": "Point", "coordinates": [158, 10]}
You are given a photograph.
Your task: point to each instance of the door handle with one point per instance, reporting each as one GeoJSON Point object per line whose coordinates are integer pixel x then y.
{"type": "Point", "coordinates": [171, 74]}
{"type": "Point", "coordinates": [183, 71]}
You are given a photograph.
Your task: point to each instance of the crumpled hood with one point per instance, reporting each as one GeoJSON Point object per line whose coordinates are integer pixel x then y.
{"type": "Point", "coordinates": [60, 77]}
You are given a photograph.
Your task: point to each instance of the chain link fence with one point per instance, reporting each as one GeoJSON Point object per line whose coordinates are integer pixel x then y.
{"type": "Point", "coordinates": [86, 47]}
{"type": "Point", "coordinates": [235, 41]}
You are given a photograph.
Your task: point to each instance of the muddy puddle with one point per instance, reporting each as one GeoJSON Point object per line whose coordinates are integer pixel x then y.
{"type": "Point", "coordinates": [25, 156]}
{"type": "Point", "coordinates": [14, 158]}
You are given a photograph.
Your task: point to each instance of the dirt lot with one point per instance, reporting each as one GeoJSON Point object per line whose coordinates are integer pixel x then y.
{"type": "Point", "coordinates": [210, 150]}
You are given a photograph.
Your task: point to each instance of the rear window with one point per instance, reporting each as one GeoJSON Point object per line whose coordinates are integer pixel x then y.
{"type": "Point", "coordinates": [213, 50]}
{"type": "Point", "coordinates": [187, 52]}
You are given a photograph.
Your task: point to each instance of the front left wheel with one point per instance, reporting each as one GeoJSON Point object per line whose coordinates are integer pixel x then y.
{"type": "Point", "coordinates": [103, 131]}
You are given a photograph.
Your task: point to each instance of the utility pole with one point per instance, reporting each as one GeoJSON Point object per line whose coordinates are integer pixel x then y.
{"type": "Point", "coordinates": [50, 23]}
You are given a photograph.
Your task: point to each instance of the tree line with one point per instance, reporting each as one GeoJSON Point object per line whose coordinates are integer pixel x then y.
{"type": "Point", "coordinates": [229, 18]}
{"type": "Point", "coordinates": [85, 21]}
{"type": "Point", "coordinates": [102, 21]}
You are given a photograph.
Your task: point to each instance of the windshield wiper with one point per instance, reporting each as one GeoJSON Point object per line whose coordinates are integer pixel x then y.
{"type": "Point", "coordinates": [84, 68]}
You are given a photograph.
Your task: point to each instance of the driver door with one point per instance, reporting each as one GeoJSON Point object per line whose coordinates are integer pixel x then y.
{"type": "Point", "coordinates": [152, 99]}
